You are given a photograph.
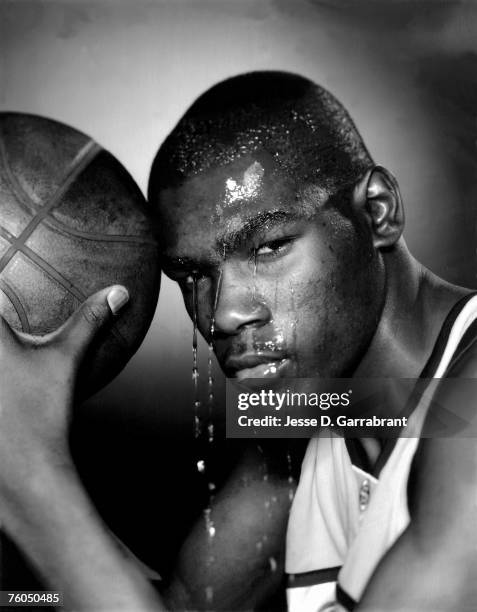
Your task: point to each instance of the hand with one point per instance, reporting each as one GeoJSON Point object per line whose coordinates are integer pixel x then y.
{"type": "Point", "coordinates": [43, 505]}
{"type": "Point", "coordinates": [37, 381]}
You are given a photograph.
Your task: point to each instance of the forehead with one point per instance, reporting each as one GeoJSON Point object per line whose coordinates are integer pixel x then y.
{"type": "Point", "coordinates": [222, 200]}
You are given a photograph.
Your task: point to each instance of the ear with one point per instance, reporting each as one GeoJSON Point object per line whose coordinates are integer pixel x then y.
{"type": "Point", "coordinates": [377, 196]}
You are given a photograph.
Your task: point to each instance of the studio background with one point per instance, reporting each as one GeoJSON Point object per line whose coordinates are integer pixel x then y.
{"type": "Point", "coordinates": [124, 73]}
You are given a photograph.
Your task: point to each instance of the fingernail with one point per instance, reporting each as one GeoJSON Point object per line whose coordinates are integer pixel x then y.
{"type": "Point", "coordinates": [117, 297]}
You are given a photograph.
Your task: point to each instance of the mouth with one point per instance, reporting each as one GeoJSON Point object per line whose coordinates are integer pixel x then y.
{"type": "Point", "coordinates": [253, 365]}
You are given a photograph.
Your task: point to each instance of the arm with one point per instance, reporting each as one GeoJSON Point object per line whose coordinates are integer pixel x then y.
{"type": "Point", "coordinates": [58, 528]}
{"type": "Point", "coordinates": [45, 510]}
{"type": "Point", "coordinates": [43, 506]}
{"type": "Point", "coordinates": [433, 565]}
{"type": "Point", "coordinates": [242, 566]}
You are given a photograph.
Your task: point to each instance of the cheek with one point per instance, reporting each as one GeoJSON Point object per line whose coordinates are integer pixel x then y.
{"type": "Point", "coordinates": [297, 302]}
{"type": "Point", "coordinates": [331, 296]}
{"type": "Point", "coordinates": [313, 282]}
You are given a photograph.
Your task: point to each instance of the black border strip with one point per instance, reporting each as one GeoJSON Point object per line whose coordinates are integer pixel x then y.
{"type": "Point", "coordinates": [344, 599]}
{"type": "Point", "coordinates": [315, 577]}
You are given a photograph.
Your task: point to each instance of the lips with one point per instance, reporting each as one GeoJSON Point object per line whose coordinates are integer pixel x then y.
{"type": "Point", "coordinates": [253, 365]}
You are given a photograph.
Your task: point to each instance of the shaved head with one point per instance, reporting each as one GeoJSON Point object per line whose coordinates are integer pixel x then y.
{"type": "Point", "coordinates": [308, 133]}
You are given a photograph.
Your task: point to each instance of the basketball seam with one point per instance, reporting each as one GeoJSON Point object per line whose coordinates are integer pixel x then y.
{"type": "Point", "coordinates": [33, 208]}
{"type": "Point", "coordinates": [84, 156]}
{"type": "Point", "coordinates": [52, 273]}
{"type": "Point", "coordinates": [15, 187]}
{"type": "Point", "coordinates": [82, 159]}
{"type": "Point", "coordinates": [13, 298]}
{"type": "Point", "coordinates": [67, 285]}
{"type": "Point", "coordinates": [9, 237]}
{"type": "Point", "coordinates": [43, 265]}
{"type": "Point", "coordinates": [65, 229]}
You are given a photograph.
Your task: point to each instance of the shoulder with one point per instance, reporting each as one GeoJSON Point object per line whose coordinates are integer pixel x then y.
{"type": "Point", "coordinates": [443, 483]}
{"type": "Point", "coordinates": [464, 360]}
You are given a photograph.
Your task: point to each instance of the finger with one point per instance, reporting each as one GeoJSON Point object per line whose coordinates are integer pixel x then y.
{"type": "Point", "coordinates": [83, 325]}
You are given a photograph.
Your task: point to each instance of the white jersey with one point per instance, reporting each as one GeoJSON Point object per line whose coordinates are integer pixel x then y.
{"type": "Point", "coordinates": [345, 516]}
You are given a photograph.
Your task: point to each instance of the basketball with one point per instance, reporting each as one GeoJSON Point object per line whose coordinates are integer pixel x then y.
{"type": "Point", "coordinates": [72, 221]}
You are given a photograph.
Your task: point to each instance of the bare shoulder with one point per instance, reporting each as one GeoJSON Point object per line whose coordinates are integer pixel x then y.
{"type": "Point", "coordinates": [443, 483]}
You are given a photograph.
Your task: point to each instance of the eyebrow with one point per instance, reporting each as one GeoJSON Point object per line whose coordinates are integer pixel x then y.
{"type": "Point", "coordinates": [252, 226]}
{"type": "Point", "coordinates": [229, 241]}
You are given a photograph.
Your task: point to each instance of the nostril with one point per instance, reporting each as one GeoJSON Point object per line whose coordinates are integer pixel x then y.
{"type": "Point", "coordinates": [230, 319]}
{"type": "Point", "coordinates": [234, 306]}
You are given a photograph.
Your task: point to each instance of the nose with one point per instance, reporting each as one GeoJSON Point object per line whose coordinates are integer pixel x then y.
{"type": "Point", "coordinates": [238, 303]}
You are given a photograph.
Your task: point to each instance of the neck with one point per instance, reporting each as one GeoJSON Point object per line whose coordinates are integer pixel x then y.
{"type": "Point", "coordinates": [416, 305]}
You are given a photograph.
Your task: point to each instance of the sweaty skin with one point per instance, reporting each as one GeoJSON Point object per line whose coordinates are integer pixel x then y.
{"type": "Point", "coordinates": [340, 289]}
{"type": "Point", "coordinates": [286, 265]}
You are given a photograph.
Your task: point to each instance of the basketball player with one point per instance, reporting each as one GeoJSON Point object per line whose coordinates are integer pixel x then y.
{"type": "Point", "coordinates": [286, 240]}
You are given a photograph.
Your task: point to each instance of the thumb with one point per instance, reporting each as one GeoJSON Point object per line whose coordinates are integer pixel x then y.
{"type": "Point", "coordinates": [95, 312]}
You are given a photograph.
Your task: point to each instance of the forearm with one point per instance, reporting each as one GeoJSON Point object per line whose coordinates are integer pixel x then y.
{"type": "Point", "coordinates": [53, 521]}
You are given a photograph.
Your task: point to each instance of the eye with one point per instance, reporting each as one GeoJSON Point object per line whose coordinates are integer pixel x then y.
{"type": "Point", "coordinates": [273, 248]}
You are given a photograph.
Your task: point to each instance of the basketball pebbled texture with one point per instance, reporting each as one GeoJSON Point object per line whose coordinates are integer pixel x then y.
{"type": "Point", "coordinates": [72, 221]}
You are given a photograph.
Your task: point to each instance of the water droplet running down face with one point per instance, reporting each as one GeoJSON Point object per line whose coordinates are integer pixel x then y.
{"type": "Point", "coordinates": [210, 378]}
{"type": "Point", "coordinates": [298, 278]}
{"type": "Point", "coordinates": [195, 370]}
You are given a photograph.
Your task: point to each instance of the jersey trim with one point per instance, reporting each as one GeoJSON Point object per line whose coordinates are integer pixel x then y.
{"type": "Point", "coordinates": [468, 341]}
{"type": "Point", "coordinates": [315, 577]}
{"type": "Point", "coordinates": [358, 455]}
{"type": "Point", "coordinates": [344, 599]}
{"type": "Point", "coordinates": [443, 337]}
{"type": "Point", "coordinates": [354, 447]}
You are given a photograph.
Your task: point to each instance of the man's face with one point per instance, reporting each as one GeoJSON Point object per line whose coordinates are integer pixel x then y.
{"type": "Point", "coordinates": [288, 284]}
